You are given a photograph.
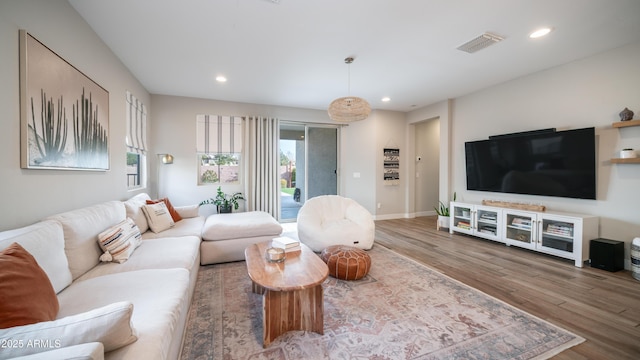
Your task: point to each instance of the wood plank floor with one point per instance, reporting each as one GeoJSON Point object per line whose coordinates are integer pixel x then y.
{"type": "Point", "coordinates": [601, 306]}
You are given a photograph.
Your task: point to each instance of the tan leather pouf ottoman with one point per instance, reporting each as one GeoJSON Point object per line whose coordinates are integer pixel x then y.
{"type": "Point", "coordinates": [346, 262]}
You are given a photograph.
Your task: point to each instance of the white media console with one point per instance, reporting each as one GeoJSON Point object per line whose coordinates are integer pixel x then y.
{"type": "Point", "coordinates": [561, 234]}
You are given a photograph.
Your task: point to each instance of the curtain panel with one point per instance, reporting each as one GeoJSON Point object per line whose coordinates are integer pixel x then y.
{"type": "Point", "coordinates": [262, 187]}
{"type": "Point", "coordinates": [136, 138]}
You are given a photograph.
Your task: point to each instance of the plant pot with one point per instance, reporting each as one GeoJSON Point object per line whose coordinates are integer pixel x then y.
{"type": "Point", "coordinates": [225, 209]}
{"type": "Point", "coordinates": [442, 223]}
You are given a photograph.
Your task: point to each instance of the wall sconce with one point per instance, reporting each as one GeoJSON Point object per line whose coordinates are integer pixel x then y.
{"type": "Point", "coordinates": [166, 158]}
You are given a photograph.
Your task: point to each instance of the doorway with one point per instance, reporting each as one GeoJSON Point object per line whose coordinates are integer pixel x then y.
{"type": "Point", "coordinates": [427, 150]}
{"type": "Point", "coordinates": [308, 165]}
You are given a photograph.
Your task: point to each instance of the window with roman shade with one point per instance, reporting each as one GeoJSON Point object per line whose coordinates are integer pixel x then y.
{"type": "Point", "coordinates": [219, 148]}
{"type": "Point", "coordinates": [136, 141]}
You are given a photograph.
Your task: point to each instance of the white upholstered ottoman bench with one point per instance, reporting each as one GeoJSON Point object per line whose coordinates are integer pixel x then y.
{"type": "Point", "coordinates": [225, 236]}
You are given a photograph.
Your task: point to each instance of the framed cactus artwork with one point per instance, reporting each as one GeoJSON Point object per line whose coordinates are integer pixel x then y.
{"type": "Point", "coordinates": [64, 115]}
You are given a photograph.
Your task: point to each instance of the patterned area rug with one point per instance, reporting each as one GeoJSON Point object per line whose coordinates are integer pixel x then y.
{"type": "Point", "coordinates": [401, 310]}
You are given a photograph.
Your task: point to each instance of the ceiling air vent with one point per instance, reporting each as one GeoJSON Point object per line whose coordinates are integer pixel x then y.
{"type": "Point", "coordinates": [480, 42]}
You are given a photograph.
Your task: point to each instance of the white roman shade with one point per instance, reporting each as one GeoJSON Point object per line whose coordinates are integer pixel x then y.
{"type": "Point", "coordinates": [136, 125]}
{"type": "Point", "coordinates": [218, 134]}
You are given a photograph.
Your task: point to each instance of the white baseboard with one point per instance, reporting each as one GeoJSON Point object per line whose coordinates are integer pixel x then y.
{"type": "Point", "coordinates": [426, 213]}
{"type": "Point", "coordinates": [404, 216]}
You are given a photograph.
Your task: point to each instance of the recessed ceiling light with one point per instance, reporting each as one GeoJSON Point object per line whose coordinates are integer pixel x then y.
{"type": "Point", "coordinates": [221, 79]}
{"type": "Point", "coordinates": [386, 99]}
{"type": "Point", "coordinates": [540, 32]}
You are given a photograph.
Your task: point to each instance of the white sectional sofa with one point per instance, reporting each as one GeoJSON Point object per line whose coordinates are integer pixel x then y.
{"type": "Point", "coordinates": [131, 310]}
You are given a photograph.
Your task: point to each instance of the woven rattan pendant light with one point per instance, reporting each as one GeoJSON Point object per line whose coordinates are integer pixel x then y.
{"type": "Point", "coordinates": [349, 108]}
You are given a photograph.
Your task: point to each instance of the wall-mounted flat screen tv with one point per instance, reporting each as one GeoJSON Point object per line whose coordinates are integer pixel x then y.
{"type": "Point", "coordinates": [549, 163]}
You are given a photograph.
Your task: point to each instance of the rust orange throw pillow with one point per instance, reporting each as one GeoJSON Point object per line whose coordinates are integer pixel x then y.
{"type": "Point", "coordinates": [174, 214]}
{"type": "Point", "coordinates": [26, 294]}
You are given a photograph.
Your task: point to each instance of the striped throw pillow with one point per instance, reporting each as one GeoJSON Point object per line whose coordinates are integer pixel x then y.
{"type": "Point", "coordinates": [119, 241]}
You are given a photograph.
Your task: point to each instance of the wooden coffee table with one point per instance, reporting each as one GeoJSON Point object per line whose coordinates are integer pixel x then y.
{"type": "Point", "coordinates": [292, 290]}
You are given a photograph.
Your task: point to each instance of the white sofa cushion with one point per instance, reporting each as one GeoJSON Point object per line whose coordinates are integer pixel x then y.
{"type": "Point", "coordinates": [88, 351]}
{"type": "Point", "coordinates": [163, 253]}
{"type": "Point", "coordinates": [45, 241]}
{"type": "Point", "coordinates": [119, 241]}
{"type": "Point", "coordinates": [158, 217]}
{"type": "Point", "coordinates": [109, 325]}
{"type": "Point", "coordinates": [158, 297]}
{"type": "Point", "coordinates": [133, 207]}
{"type": "Point", "coordinates": [240, 225]}
{"type": "Point", "coordinates": [185, 227]}
{"type": "Point", "coordinates": [188, 211]}
{"type": "Point", "coordinates": [81, 228]}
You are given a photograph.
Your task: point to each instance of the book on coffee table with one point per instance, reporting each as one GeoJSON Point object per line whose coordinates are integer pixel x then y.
{"type": "Point", "coordinates": [286, 243]}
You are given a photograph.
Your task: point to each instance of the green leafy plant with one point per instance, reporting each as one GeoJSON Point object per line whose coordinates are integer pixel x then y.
{"type": "Point", "coordinates": [223, 201]}
{"type": "Point", "coordinates": [443, 210]}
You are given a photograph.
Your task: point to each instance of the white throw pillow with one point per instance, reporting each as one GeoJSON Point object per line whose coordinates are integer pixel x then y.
{"type": "Point", "coordinates": [158, 217]}
{"type": "Point", "coordinates": [119, 241]}
{"type": "Point", "coordinates": [134, 210]}
{"type": "Point", "coordinates": [110, 325]}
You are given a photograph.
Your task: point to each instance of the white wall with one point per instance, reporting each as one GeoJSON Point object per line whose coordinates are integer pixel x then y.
{"type": "Point", "coordinates": [358, 173]}
{"type": "Point", "coordinates": [360, 145]}
{"type": "Point", "coordinates": [29, 195]}
{"type": "Point", "coordinates": [585, 93]}
{"type": "Point", "coordinates": [174, 132]}
{"type": "Point", "coordinates": [390, 133]}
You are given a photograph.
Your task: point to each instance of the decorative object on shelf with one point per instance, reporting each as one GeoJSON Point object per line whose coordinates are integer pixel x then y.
{"type": "Point", "coordinates": [51, 90]}
{"type": "Point", "coordinates": [349, 108]}
{"type": "Point", "coordinates": [225, 203]}
{"type": "Point", "coordinates": [628, 154]}
{"type": "Point", "coordinates": [626, 115]}
{"type": "Point", "coordinates": [512, 205]}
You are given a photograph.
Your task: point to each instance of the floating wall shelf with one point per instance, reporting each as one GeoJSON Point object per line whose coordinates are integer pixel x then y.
{"type": "Point", "coordinates": [623, 124]}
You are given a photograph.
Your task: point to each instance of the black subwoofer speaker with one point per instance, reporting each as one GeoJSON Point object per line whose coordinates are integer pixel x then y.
{"type": "Point", "coordinates": [607, 254]}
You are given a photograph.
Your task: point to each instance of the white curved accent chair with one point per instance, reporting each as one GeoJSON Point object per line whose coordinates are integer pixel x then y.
{"type": "Point", "coordinates": [335, 220]}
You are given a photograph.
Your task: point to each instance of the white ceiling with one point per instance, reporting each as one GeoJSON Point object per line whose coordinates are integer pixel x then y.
{"type": "Point", "coordinates": [291, 52]}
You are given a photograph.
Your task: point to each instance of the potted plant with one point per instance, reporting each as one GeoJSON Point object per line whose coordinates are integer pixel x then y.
{"type": "Point", "coordinates": [443, 214]}
{"type": "Point", "coordinates": [225, 203]}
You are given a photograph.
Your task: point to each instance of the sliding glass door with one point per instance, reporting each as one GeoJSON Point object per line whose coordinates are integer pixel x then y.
{"type": "Point", "coordinates": [308, 165]}
{"type": "Point", "coordinates": [322, 165]}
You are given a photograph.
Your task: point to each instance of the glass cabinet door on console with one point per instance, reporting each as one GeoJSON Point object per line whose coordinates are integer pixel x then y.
{"type": "Point", "coordinates": [487, 223]}
{"type": "Point", "coordinates": [460, 219]}
{"type": "Point", "coordinates": [520, 228]}
{"type": "Point", "coordinates": [557, 234]}
{"type": "Point", "coordinates": [477, 220]}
